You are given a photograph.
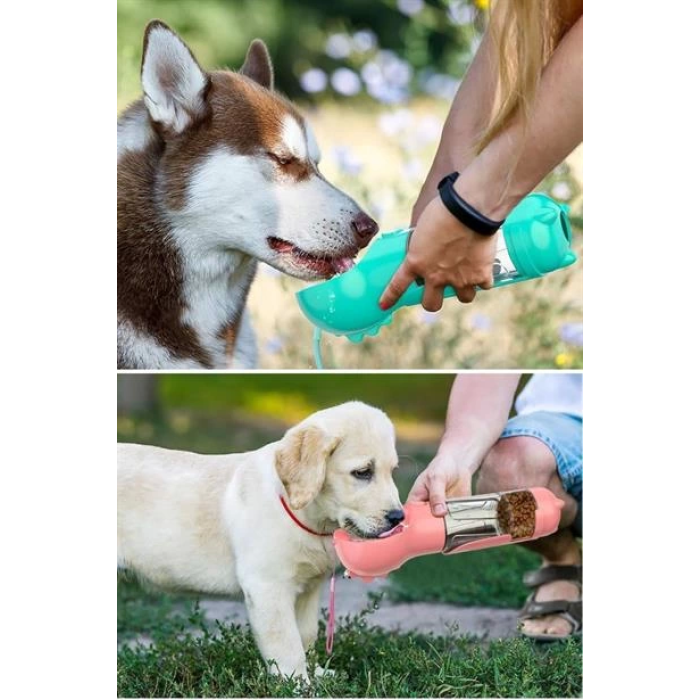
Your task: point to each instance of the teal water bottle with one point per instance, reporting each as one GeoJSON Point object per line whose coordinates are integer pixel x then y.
{"type": "Point", "coordinates": [534, 240]}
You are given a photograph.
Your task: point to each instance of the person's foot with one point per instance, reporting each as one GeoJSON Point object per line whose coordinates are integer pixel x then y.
{"type": "Point", "coordinates": [553, 583]}
{"type": "Point", "coordinates": [554, 625]}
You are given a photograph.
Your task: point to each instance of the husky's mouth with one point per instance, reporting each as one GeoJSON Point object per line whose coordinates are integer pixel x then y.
{"type": "Point", "coordinates": [320, 265]}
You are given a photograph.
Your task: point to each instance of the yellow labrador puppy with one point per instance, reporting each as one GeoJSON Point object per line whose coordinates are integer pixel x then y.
{"type": "Point", "coordinates": [257, 522]}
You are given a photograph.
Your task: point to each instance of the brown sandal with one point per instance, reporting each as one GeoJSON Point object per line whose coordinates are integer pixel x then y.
{"type": "Point", "coordinates": [570, 610]}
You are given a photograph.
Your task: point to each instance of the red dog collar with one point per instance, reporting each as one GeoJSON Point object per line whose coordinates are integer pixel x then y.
{"type": "Point", "coordinates": [299, 523]}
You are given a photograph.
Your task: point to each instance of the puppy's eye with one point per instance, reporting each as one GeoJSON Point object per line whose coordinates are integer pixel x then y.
{"type": "Point", "coordinates": [281, 158]}
{"type": "Point", "coordinates": [364, 474]}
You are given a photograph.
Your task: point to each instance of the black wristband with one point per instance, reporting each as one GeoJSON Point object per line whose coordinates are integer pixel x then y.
{"type": "Point", "coordinates": [463, 211]}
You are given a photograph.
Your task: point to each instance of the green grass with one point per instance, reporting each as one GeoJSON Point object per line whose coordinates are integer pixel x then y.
{"type": "Point", "coordinates": [141, 612]}
{"type": "Point", "coordinates": [489, 578]}
{"type": "Point", "coordinates": [368, 662]}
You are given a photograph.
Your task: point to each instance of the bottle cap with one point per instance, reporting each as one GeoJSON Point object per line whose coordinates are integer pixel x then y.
{"type": "Point", "coordinates": [538, 236]}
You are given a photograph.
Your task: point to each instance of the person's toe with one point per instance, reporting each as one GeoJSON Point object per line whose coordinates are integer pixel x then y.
{"type": "Point", "coordinates": [557, 626]}
{"type": "Point", "coordinates": [553, 625]}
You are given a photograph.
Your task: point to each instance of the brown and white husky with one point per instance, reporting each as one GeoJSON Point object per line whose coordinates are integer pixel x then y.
{"type": "Point", "coordinates": [215, 171]}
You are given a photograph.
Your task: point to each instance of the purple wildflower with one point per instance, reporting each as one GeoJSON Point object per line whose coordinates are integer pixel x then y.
{"type": "Point", "coordinates": [410, 7]}
{"type": "Point", "coordinates": [347, 161]}
{"type": "Point", "coordinates": [364, 40]}
{"type": "Point", "coordinates": [346, 81]}
{"type": "Point", "coordinates": [338, 46]}
{"type": "Point", "coordinates": [274, 345]}
{"type": "Point", "coordinates": [481, 322]}
{"type": "Point", "coordinates": [572, 333]}
{"type": "Point", "coordinates": [313, 80]}
{"type": "Point", "coordinates": [428, 317]}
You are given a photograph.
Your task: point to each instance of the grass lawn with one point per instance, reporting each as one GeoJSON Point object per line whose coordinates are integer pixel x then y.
{"type": "Point", "coordinates": [189, 658]}
{"type": "Point", "coordinates": [192, 658]}
{"type": "Point", "coordinates": [489, 578]}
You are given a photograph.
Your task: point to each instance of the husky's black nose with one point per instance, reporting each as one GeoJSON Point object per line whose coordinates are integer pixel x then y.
{"type": "Point", "coordinates": [365, 227]}
{"type": "Point", "coordinates": [394, 517]}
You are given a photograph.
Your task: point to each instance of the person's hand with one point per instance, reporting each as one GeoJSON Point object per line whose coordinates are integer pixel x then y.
{"type": "Point", "coordinates": [445, 476]}
{"type": "Point", "coordinates": [443, 252]}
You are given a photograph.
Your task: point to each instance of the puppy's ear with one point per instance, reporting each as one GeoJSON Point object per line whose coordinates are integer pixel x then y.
{"type": "Point", "coordinates": [301, 462]}
{"type": "Point", "coordinates": [258, 65]}
{"type": "Point", "coordinates": [174, 85]}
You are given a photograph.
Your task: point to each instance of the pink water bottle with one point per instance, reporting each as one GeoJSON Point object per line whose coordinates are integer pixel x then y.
{"type": "Point", "coordinates": [477, 522]}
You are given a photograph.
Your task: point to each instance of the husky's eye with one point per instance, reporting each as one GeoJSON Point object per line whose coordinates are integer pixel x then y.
{"type": "Point", "coordinates": [281, 158]}
{"type": "Point", "coordinates": [364, 474]}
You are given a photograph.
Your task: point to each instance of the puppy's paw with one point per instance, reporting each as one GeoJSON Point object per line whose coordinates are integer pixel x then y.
{"type": "Point", "coordinates": [302, 687]}
{"type": "Point", "coordinates": [320, 672]}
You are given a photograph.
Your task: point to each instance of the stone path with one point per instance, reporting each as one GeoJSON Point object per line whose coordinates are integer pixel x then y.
{"type": "Point", "coordinates": [352, 597]}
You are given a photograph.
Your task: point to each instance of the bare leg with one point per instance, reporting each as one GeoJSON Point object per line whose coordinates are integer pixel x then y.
{"type": "Point", "coordinates": [523, 462]}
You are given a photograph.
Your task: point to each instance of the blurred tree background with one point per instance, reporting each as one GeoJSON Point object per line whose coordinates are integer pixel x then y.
{"type": "Point", "coordinates": [386, 49]}
{"type": "Point", "coordinates": [272, 402]}
{"type": "Point", "coordinates": [219, 413]}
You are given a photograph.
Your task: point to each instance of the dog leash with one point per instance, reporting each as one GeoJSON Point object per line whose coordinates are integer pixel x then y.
{"type": "Point", "coordinates": [330, 628]}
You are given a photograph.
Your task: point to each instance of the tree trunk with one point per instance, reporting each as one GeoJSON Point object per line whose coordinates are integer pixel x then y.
{"type": "Point", "coordinates": [137, 393]}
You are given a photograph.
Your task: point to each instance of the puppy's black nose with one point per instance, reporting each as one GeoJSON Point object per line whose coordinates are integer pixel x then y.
{"type": "Point", "coordinates": [365, 227]}
{"type": "Point", "coordinates": [395, 517]}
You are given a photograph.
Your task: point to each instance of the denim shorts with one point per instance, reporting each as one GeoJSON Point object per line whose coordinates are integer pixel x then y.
{"type": "Point", "coordinates": [563, 434]}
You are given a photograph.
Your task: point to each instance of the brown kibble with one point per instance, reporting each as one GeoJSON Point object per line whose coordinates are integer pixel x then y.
{"type": "Point", "coordinates": [516, 514]}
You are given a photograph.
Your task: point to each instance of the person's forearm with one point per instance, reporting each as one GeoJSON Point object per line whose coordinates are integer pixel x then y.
{"type": "Point", "coordinates": [476, 415]}
{"type": "Point", "coordinates": [468, 115]}
{"type": "Point", "coordinates": [516, 161]}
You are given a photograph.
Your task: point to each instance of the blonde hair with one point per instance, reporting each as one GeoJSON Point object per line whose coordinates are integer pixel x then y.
{"type": "Point", "coordinates": [524, 35]}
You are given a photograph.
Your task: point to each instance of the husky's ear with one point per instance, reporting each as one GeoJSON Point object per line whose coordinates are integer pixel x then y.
{"type": "Point", "coordinates": [300, 462]}
{"type": "Point", "coordinates": [258, 65]}
{"type": "Point", "coordinates": [173, 83]}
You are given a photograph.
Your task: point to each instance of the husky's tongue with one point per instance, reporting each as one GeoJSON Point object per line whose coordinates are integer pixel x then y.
{"type": "Point", "coordinates": [322, 264]}
{"type": "Point", "coordinates": [341, 265]}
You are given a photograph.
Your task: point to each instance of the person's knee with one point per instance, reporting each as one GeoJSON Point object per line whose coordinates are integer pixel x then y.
{"type": "Point", "coordinates": [515, 463]}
